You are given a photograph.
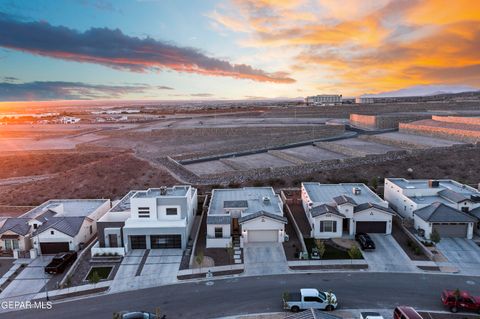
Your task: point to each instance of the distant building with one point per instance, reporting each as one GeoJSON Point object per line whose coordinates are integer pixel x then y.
{"type": "Point", "coordinates": [324, 99]}
{"type": "Point", "coordinates": [69, 120]}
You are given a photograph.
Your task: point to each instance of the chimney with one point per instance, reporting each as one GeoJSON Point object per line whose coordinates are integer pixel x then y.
{"type": "Point", "coordinates": [433, 183]}
{"type": "Point", "coordinates": [356, 191]}
{"type": "Point", "coordinates": [163, 190]}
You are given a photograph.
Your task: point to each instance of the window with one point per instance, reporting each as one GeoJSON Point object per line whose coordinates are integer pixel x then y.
{"type": "Point", "coordinates": [52, 232]}
{"type": "Point", "coordinates": [171, 211]}
{"type": "Point", "coordinates": [11, 244]}
{"type": "Point", "coordinates": [143, 212]}
{"type": "Point", "coordinates": [218, 232]}
{"type": "Point", "coordinates": [328, 226]}
{"type": "Point", "coordinates": [35, 226]}
{"type": "Point", "coordinates": [91, 229]}
{"type": "Point", "coordinates": [312, 299]}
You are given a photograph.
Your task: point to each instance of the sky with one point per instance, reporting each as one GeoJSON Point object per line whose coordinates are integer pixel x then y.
{"type": "Point", "coordinates": [251, 49]}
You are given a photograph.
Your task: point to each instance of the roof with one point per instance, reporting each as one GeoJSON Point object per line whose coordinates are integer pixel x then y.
{"type": "Point", "coordinates": [45, 216]}
{"type": "Point", "coordinates": [453, 196]}
{"type": "Point", "coordinates": [312, 314]}
{"type": "Point", "coordinates": [67, 207]}
{"type": "Point", "coordinates": [219, 219]}
{"type": "Point", "coordinates": [257, 198]}
{"type": "Point", "coordinates": [177, 190]}
{"type": "Point", "coordinates": [67, 225]}
{"type": "Point", "coordinates": [439, 212]}
{"type": "Point", "coordinates": [326, 193]}
{"type": "Point", "coordinates": [262, 214]}
{"type": "Point", "coordinates": [17, 225]}
{"type": "Point", "coordinates": [475, 212]}
{"type": "Point", "coordinates": [366, 206]}
{"type": "Point", "coordinates": [344, 199]}
{"type": "Point", "coordinates": [325, 209]}
{"type": "Point", "coordinates": [235, 204]}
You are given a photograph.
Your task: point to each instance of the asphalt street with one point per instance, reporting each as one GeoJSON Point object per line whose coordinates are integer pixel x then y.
{"type": "Point", "coordinates": [263, 294]}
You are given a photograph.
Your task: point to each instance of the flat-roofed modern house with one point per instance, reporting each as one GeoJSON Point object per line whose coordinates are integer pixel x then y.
{"type": "Point", "coordinates": [252, 214]}
{"type": "Point", "coordinates": [449, 207]}
{"type": "Point", "coordinates": [55, 226]}
{"type": "Point", "coordinates": [157, 218]}
{"type": "Point", "coordinates": [336, 210]}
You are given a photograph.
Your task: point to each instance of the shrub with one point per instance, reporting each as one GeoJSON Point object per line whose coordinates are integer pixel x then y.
{"type": "Point", "coordinates": [435, 236]}
{"type": "Point", "coordinates": [410, 243]}
{"type": "Point", "coordinates": [94, 278]}
{"type": "Point", "coordinates": [258, 183]}
{"type": "Point", "coordinates": [321, 247]}
{"type": "Point", "coordinates": [355, 253]}
{"type": "Point", "coordinates": [417, 250]}
{"type": "Point", "coordinates": [233, 185]}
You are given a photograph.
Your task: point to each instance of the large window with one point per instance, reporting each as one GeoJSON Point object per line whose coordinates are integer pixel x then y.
{"type": "Point", "coordinates": [143, 212]}
{"type": "Point", "coordinates": [328, 226]}
{"type": "Point", "coordinates": [171, 211]}
{"type": "Point", "coordinates": [165, 241]}
{"type": "Point", "coordinates": [218, 232]}
{"type": "Point", "coordinates": [11, 244]}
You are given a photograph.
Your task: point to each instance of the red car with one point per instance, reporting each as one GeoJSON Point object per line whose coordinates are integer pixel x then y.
{"type": "Point", "coordinates": [457, 299]}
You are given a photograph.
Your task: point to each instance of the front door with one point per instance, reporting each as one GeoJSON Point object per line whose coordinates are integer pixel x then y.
{"type": "Point", "coordinates": [112, 240]}
{"type": "Point", "coordinates": [235, 226]}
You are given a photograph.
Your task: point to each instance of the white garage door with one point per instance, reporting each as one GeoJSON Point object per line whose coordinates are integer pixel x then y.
{"type": "Point", "coordinates": [262, 236]}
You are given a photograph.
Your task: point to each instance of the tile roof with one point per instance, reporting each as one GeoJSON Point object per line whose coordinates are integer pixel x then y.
{"type": "Point", "coordinates": [365, 206]}
{"type": "Point", "coordinates": [344, 199]}
{"type": "Point", "coordinates": [17, 225]}
{"type": "Point", "coordinates": [475, 212]}
{"type": "Point", "coordinates": [67, 225]}
{"type": "Point", "coordinates": [260, 214]}
{"type": "Point", "coordinates": [325, 209]}
{"type": "Point", "coordinates": [439, 212]}
{"type": "Point", "coordinates": [219, 219]}
{"type": "Point", "coordinates": [453, 196]}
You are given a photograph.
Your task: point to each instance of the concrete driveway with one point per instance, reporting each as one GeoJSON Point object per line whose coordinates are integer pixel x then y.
{"type": "Point", "coordinates": [264, 259]}
{"type": "Point", "coordinates": [29, 282]}
{"type": "Point", "coordinates": [388, 256]}
{"type": "Point", "coordinates": [159, 268]}
{"type": "Point", "coordinates": [462, 253]}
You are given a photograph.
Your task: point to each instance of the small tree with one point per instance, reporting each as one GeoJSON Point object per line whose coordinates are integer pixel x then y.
{"type": "Point", "coordinates": [199, 258]}
{"type": "Point", "coordinates": [94, 278]}
{"type": "Point", "coordinates": [354, 252]}
{"type": "Point", "coordinates": [435, 236]}
{"type": "Point", "coordinates": [321, 247]}
{"type": "Point", "coordinates": [374, 183]}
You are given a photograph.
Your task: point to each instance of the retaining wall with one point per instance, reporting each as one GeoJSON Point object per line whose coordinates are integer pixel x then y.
{"type": "Point", "coordinates": [456, 134]}
{"type": "Point", "coordinates": [457, 119]}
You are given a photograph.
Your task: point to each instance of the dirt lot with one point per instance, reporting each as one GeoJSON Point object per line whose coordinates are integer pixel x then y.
{"type": "Point", "coordinates": [81, 176]}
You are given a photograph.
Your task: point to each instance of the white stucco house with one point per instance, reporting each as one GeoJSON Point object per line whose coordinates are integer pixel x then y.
{"type": "Point", "coordinates": [424, 201]}
{"type": "Point", "coordinates": [252, 214]}
{"type": "Point", "coordinates": [336, 210]}
{"type": "Point", "coordinates": [157, 218]}
{"type": "Point", "coordinates": [55, 226]}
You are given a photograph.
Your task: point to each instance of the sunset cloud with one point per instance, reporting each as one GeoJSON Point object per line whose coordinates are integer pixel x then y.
{"type": "Point", "coordinates": [57, 90]}
{"type": "Point", "coordinates": [117, 50]}
{"type": "Point", "coordinates": [365, 46]}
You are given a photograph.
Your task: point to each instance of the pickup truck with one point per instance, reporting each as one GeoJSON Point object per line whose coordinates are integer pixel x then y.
{"type": "Point", "coordinates": [457, 299]}
{"type": "Point", "coordinates": [60, 262]}
{"type": "Point", "coordinates": [309, 298]}
{"type": "Point", "coordinates": [370, 315]}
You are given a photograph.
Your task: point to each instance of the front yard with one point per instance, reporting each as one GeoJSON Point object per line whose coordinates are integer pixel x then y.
{"type": "Point", "coordinates": [409, 246]}
{"type": "Point", "coordinates": [331, 251]}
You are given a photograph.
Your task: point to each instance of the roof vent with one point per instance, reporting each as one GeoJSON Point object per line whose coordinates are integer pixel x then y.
{"type": "Point", "coordinates": [433, 183]}
{"type": "Point", "coordinates": [163, 190]}
{"type": "Point", "coordinates": [357, 191]}
{"type": "Point", "coordinates": [266, 199]}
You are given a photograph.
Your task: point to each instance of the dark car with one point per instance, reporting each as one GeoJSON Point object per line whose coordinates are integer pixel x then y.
{"type": "Point", "coordinates": [456, 300]}
{"type": "Point", "coordinates": [60, 262]}
{"type": "Point", "coordinates": [136, 315]}
{"type": "Point", "coordinates": [365, 241]}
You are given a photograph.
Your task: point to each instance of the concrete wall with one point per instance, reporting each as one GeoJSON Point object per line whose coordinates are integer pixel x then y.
{"type": "Point", "coordinates": [457, 119]}
{"type": "Point", "coordinates": [450, 133]}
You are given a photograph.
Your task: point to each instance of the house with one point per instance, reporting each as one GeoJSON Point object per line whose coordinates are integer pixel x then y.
{"type": "Point", "coordinates": [55, 226]}
{"type": "Point", "coordinates": [416, 199]}
{"type": "Point", "coordinates": [157, 218]}
{"type": "Point", "coordinates": [336, 210]}
{"type": "Point", "coordinates": [252, 214]}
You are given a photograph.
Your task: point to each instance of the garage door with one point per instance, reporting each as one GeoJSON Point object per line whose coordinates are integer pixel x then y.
{"type": "Point", "coordinates": [138, 242]}
{"type": "Point", "coordinates": [451, 230]}
{"type": "Point", "coordinates": [262, 236]}
{"type": "Point", "coordinates": [165, 241]}
{"type": "Point", "coordinates": [371, 227]}
{"type": "Point", "coordinates": [53, 248]}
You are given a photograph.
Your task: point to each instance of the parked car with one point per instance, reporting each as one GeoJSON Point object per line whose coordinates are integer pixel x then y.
{"type": "Point", "coordinates": [309, 298]}
{"type": "Point", "coordinates": [405, 312]}
{"type": "Point", "coordinates": [457, 299]}
{"type": "Point", "coordinates": [365, 241]}
{"type": "Point", "coordinates": [136, 315]}
{"type": "Point", "coordinates": [60, 262]}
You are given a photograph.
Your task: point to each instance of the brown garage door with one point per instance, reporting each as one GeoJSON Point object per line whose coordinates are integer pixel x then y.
{"type": "Point", "coordinates": [371, 227]}
{"type": "Point", "coordinates": [451, 230]}
{"type": "Point", "coordinates": [53, 248]}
